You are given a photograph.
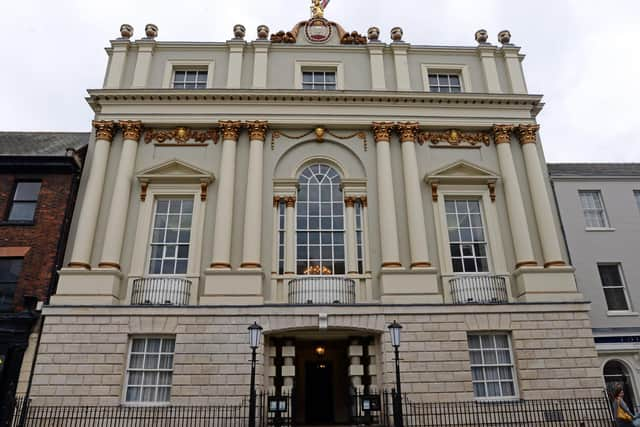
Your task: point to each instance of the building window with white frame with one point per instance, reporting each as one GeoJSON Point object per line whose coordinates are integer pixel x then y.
{"type": "Point", "coordinates": [613, 287]}
{"type": "Point", "coordinates": [320, 222]}
{"type": "Point", "coordinates": [319, 80]}
{"type": "Point", "coordinates": [357, 206]}
{"type": "Point", "coordinates": [150, 370]}
{"type": "Point", "coordinates": [636, 194]}
{"type": "Point", "coordinates": [190, 79]}
{"type": "Point", "coordinates": [171, 235]}
{"type": "Point", "coordinates": [492, 368]}
{"type": "Point", "coordinates": [467, 238]}
{"type": "Point", "coordinates": [282, 206]}
{"type": "Point", "coordinates": [445, 83]}
{"type": "Point", "coordinates": [595, 215]}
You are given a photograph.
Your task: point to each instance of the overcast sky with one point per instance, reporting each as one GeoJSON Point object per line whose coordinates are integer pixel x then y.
{"type": "Point", "coordinates": [582, 55]}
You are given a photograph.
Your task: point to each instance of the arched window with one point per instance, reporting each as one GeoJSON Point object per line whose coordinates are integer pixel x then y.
{"type": "Point", "coordinates": [616, 373]}
{"type": "Point", "coordinates": [320, 222]}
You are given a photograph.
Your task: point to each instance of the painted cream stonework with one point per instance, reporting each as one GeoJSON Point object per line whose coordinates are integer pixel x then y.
{"type": "Point", "coordinates": [83, 355]}
{"type": "Point", "coordinates": [234, 175]}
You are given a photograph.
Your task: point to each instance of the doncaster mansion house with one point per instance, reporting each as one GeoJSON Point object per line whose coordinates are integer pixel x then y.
{"type": "Point", "coordinates": [322, 183]}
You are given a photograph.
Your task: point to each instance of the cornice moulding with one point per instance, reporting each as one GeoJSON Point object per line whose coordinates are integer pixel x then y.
{"type": "Point", "coordinates": [97, 96]}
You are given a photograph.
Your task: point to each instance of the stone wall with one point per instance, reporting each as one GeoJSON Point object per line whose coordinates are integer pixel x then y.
{"type": "Point", "coordinates": [83, 351]}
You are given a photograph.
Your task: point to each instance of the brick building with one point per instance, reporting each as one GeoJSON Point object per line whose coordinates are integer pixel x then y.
{"type": "Point", "coordinates": [39, 176]}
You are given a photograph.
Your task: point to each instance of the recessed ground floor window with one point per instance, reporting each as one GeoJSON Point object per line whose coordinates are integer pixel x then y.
{"type": "Point", "coordinates": [492, 370]}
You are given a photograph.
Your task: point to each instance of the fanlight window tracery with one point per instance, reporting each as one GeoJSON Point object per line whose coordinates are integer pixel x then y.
{"type": "Point", "coordinates": [320, 222]}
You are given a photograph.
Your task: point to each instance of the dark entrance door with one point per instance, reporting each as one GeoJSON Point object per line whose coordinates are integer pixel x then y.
{"type": "Point", "coordinates": [319, 392]}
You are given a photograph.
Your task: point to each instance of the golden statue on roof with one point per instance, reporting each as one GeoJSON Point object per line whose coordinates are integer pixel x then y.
{"type": "Point", "coordinates": [317, 11]}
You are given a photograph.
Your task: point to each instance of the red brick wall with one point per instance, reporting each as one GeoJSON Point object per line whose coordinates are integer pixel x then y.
{"type": "Point", "coordinates": [42, 237]}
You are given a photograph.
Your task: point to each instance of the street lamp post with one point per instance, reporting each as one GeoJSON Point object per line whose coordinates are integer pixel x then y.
{"type": "Point", "coordinates": [255, 331]}
{"type": "Point", "coordinates": [394, 330]}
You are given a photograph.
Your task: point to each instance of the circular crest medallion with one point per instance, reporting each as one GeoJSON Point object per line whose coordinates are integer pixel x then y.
{"type": "Point", "coordinates": [318, 30]}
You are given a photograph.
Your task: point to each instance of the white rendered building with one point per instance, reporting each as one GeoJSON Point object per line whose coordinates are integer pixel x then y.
{"type": "Point", "coordinates": [323, 184]}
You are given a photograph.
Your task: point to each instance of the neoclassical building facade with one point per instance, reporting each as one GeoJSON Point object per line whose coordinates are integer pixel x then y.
{"type": "Point", "coordinates": [323, 184]}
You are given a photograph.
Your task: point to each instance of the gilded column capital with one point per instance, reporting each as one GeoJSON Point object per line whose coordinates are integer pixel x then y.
{"type": "Point", "coordinates": [527, 134]}
{"type": "Point", "coordinates": [291, 202]}
{"type": "Point", "coordinates": [276, 201]}
{"type": "Point", "coordinates": [408, 131]}
{"type": "Point", "coordinates": [104, 129]}
{"type": "Point", "coordinates": [349, 201]}
{"type": "Point", "coordinates": [382, 131]}
{"type": "Point", "coordinates": [230, 129]}
{"type": "Point", "coordinates": [502, 134]}
{"type": "Point", "coordinates": [258, 130]}
{"type": "Point", "coordinates": [131, 129]}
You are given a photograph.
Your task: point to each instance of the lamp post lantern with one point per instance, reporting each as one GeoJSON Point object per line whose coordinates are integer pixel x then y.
{"type": "Point", "coordinates": [255, 331]}
{"type": "Point", "coordinates": [394, 330]}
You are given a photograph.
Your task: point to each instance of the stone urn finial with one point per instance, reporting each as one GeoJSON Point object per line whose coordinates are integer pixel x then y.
{"type": "Point", "coordinates": [263, 32]}
{"type": "Point", "coordinates": [504, 37]}
{"type": "Point", "coordinates": [482, 36]}
{"type": "Point", "coordinates": [396, 34]}
{"type": "Point", "coordinates": [373, 34]}
{"type": "Point", "coordinates": [126, 31]}
{"type": "Point", "coordinates": [151, 30]}
{"type": "Point", "coordinates": [239, 31]}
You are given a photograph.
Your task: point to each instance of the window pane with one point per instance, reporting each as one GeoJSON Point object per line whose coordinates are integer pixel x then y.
{"type": "Point", "coordinates": [22, 211]}
{"type": "Point", "coordinates": [616, 299]}
{"type": "Point", "coordinates": [171, 237]}
{"type": "Point", "coordinates": [149, 371]}
{"type": "Point", "coordinates": [27, 191]}
{"type": "Point", "coordinates": [491, 365]}
{"type": "Point", "coordinates": [322, 210]}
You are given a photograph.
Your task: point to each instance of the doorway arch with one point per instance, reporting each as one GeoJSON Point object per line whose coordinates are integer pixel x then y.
{"type": "Point", "coordinates": [617, 372]}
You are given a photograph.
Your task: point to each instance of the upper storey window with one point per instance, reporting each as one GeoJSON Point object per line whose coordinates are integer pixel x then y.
{"type": "Point", "coordinates": [171, 236]}
{"type": "Point", "coordinates": [467, 238]}
{"type": "Point", "coordinates": [190, 79]}
{"type": "Point", "coordinates": [25, 200]}
{"type": "Point", "coordinates": [636, 194]}
{"type": "Point", "coordinates": [593, 208]}
{"type": "Point", "coordinates": [319, 80]}
{"type": "Point", "coordinates": [320, 222]}
{"type": "Point", "coordinates": [445, 82]}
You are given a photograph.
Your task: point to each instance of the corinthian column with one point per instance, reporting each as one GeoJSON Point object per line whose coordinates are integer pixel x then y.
{"type": "Point", "coordinates": [386, 200]}
{"type": "Point", "coordinates": [81, 253]}
{"type": "Point", "coordinates": [253, 203]}
{"type": "Point", "coordinates": [515, 205]}
{"type": "Point", "coordinates": [116, 223]}
{"type": "Point", "coordinates": [541, 203]}
{"type": "Point", "coordinates": [224, 205]}
{"type": "Point", "coordinates": [415, 210]}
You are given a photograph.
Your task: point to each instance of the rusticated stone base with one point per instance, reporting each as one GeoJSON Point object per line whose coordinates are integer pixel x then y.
{"type": "Point", "coordinates": [83, 352]}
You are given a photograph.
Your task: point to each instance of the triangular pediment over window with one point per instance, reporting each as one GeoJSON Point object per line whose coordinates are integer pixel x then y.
{"type": "Point", "coordinates": [175, 171]}
{"type": "Point", "coordinates": [462, 172]}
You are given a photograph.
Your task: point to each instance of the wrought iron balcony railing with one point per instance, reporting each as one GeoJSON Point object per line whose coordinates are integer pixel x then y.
{"type": "Point", "coordinates": [479, 289]}
{"type": "Point", "coordinates": [161, 291]}
{"type": "Point", "coordinates": [322, 290]}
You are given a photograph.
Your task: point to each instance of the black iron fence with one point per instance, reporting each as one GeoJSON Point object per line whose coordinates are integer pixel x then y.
{"type": "Point", "coordinates": [479, 289]}
{"type": "Point", "coordinates": [233, 415]}
{"type": "Point", "coordinates": [579, 412]}
{"type": "Point", "coordinates": [161, 291]}
{"type": "Point", "coordinates": [366, 409]}
{"type": "Point", "coordinates": [322, 290]}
